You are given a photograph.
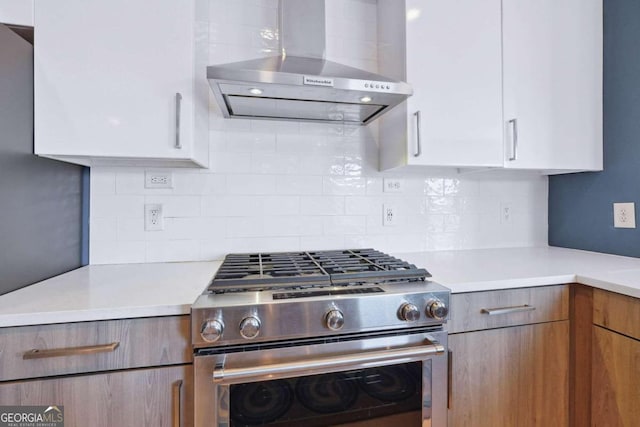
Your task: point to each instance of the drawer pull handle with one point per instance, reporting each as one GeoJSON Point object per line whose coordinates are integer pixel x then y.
{"type": "Point", "coordinates": [70, 351]}
{"type": "Point", "coordinates": [177, 394]}
{"type": "Point", "coordinates": [507, 310]}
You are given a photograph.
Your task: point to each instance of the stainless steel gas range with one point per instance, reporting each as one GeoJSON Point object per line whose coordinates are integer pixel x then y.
{"type": "Point", "coordinates": [342, 338]}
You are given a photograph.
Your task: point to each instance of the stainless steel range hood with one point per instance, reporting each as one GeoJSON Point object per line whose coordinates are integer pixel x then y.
{"type": "Point", "coordinates": [300, 84]}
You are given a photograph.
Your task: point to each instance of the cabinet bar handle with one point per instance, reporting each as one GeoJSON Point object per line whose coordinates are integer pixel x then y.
{"type": "Point", "coordinates": [178, 108]}
{"type": "Point", "coordinates": [507, 310]}
{"type": "Point", "coordinates": [418, 139]}
{"type": "Point", "coordinates": [449, 378]}
{"type": "Point", "coordinates": [514, 139]}
{"type": "Point", "coordinates": [70, 351]}
{"type": "Point", "coordinates": [177, 394]}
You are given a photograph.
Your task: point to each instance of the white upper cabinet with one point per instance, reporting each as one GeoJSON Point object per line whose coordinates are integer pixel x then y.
{"type": "Point", "coordinates": [114, 83]}
{"type": "Point", "coordinates": [553, 84]}
{"type": "Point", "coordinates": [497, 84]}
{"type": "Point", "coordinates": [452, 53]}
{"type": "Point", "coordinates": [16, 12]}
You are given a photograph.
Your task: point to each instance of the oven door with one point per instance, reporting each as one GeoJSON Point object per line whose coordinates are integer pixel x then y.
{"type": "Point", "coordinates": [382, 380]}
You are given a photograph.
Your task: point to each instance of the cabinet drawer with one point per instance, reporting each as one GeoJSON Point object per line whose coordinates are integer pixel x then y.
{"type": "Point", "coordinates": [494, 309]}
{"type": "Point", "coordinates": [617, 312]}
{"type": "Point", "coordinates": [131, 398]}
{"type": "Point", "coordinates": [93, 346]}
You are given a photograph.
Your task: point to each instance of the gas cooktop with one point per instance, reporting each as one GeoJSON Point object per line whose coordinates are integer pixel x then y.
{"type": "Point", "coordinates": [299, 270]}
{"type": "Point", "coordinates": [269, 297]}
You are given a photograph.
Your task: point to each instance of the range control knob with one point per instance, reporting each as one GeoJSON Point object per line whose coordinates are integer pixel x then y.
{"type": "Point", "coordinates": [250, 327]}
{"type": "Point", "coordinates": [437, 309]}
{"type": "Point", "coordinates": [335, 320]}
{"type": "Point", "coordinates": [211, 330]}
{"type": "Point", "coordinates": [409, 312]}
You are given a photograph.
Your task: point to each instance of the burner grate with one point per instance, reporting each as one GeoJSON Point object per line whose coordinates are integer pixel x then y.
{"type": "Point", "coordinates": [281, 270]}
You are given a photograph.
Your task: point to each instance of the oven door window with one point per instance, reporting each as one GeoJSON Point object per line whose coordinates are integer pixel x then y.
{"type": "Point", "coordinates": [395, 395]}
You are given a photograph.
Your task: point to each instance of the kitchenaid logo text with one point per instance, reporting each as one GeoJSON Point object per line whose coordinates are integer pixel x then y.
{"type": "Point", "coordinates": [31, 416]}
{"type": "Point", "coordinates": [317, 81]}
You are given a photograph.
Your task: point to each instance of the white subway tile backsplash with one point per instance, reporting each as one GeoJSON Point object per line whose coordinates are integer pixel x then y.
{"type": "Point", "coordinates": [345, 225]}
{"type": "Point", "coordinates": [130, 181]}
{"type": "Point", "coordinates": [282, 185]}
{"type": "Point", "coordinates": [176, 206]}
{"type": "Point", "coordinates": [117, 206]}
{"type": "Point", "coordinates": [103, 182]}
{"type": "Point", "coordinates": [103, 229]}
{"type": "Point", "coordinates": [298, 184]}
{"type": "Point", "coordinates": [293, 226]}
{"type": "Point", "coordinates": [198, 183]}
{"type": "Point", "coordinates": [322, 205]}
{"type": "Point", "coordinates": [250, 142]}
{"type": "Point", "coordinates": [172, 250]}
{"type": "Point", "coordinates": [271, 244]}
{"type": "Point", "coordinates": [132, 230]}
{"type": "Point", "coordinates": [344, 186]}
{"type": "Point", "coordinates": [251, 184]}
{"type": "Point", "coordinates": [230, 205]}
{"type": "Point", "coordinates": [321, 165]}
{"type": "Point", "coordinates": [322, 243]}
{"type": "Point", "coordinates": [272, 163]}
{"type": "Point", "coordinates": [119, 252]}
{"type": "Point", "coordinates": [230, 163]}
{"type": "Point", "coordinates": [280, 205]}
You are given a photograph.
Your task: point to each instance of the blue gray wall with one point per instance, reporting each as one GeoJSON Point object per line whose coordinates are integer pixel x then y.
{"type": "Point", "coordinates": [42, 216]}
{"type": "Point", "coordinates": [580, 205]}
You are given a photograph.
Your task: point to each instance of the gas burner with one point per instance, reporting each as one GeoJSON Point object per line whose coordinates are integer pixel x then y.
{"type": "Point", "coordinates": [263, 297]}
{"type": "Point", "coordinates": [303, 270]}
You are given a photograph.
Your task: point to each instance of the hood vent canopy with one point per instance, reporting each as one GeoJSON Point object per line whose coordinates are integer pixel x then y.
{"type": "Point", "coordinates": [300, 84]}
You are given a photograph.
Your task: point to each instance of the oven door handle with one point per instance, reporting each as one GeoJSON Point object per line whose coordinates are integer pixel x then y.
{"type": "Point", "coordinates": [327, 364]}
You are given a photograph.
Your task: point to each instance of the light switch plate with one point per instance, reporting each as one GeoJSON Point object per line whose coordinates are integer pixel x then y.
{"type": "Point", "coordinates": [624, 215]}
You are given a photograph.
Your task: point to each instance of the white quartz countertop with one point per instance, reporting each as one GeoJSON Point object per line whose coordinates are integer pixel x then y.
{"type": "Point", "coordinates": [490, 269]}
{"type": "Point", "coordinates": [100, 292]}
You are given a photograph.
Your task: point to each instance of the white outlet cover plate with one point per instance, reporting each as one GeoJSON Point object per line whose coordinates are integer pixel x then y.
{"type": "Point", "coordinates": [153, 217]}
{"type": "Point", "coordinates": [389, 215]}
{"type": "Point", "coordinates": [624, 215]}
{"type": "Point", "coordinates": [506, 213]}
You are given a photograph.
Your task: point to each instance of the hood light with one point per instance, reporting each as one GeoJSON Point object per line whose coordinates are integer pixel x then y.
{"type": "Point", "coordinates": [365, 99]}
{"type": "Point", "coordinates": [255, 91]}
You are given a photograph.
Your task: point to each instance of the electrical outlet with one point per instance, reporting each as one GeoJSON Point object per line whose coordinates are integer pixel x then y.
{"type": "Point", "coordinates": [506, 213]}
{"type": "Point", "coordinates": [624, 215]}
{"type": "Point", "coordinates": [153, 217]}
{"type": "Point", "coordinates": [391, 185]}
{"type": "Point", "coordinates": [158, 179]}
{"type": "Point", "coordinates": [390, 215]}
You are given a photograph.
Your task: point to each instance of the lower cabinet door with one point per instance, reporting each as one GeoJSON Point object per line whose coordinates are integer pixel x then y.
{"type": "Point", "coordinates": [516, 376]}
{"type": "Point", "coordinates": [615, 379]}
{"type": "Point", "coordinates": [159, 397]}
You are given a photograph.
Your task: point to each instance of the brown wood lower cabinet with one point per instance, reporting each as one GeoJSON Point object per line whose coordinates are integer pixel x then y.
{"type": "Point", "coordinates": [615, 387]}
{"type": "Point", "coordinates": [135, 397]}
{"type": "Point", "coordinates": [515, 376]}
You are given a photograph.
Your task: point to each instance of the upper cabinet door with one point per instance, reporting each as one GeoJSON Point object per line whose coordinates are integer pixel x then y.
{"type": "Point", "coordinates": [115, 80]}
{"type": "Point", "coordinates": [553, 84]}
{"type": "Point", "coordinates": [452, 52]}
{"type": "Point", "coordinates": [16, 12]}
{"type": "Point", "coordinates": [454, 65]}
